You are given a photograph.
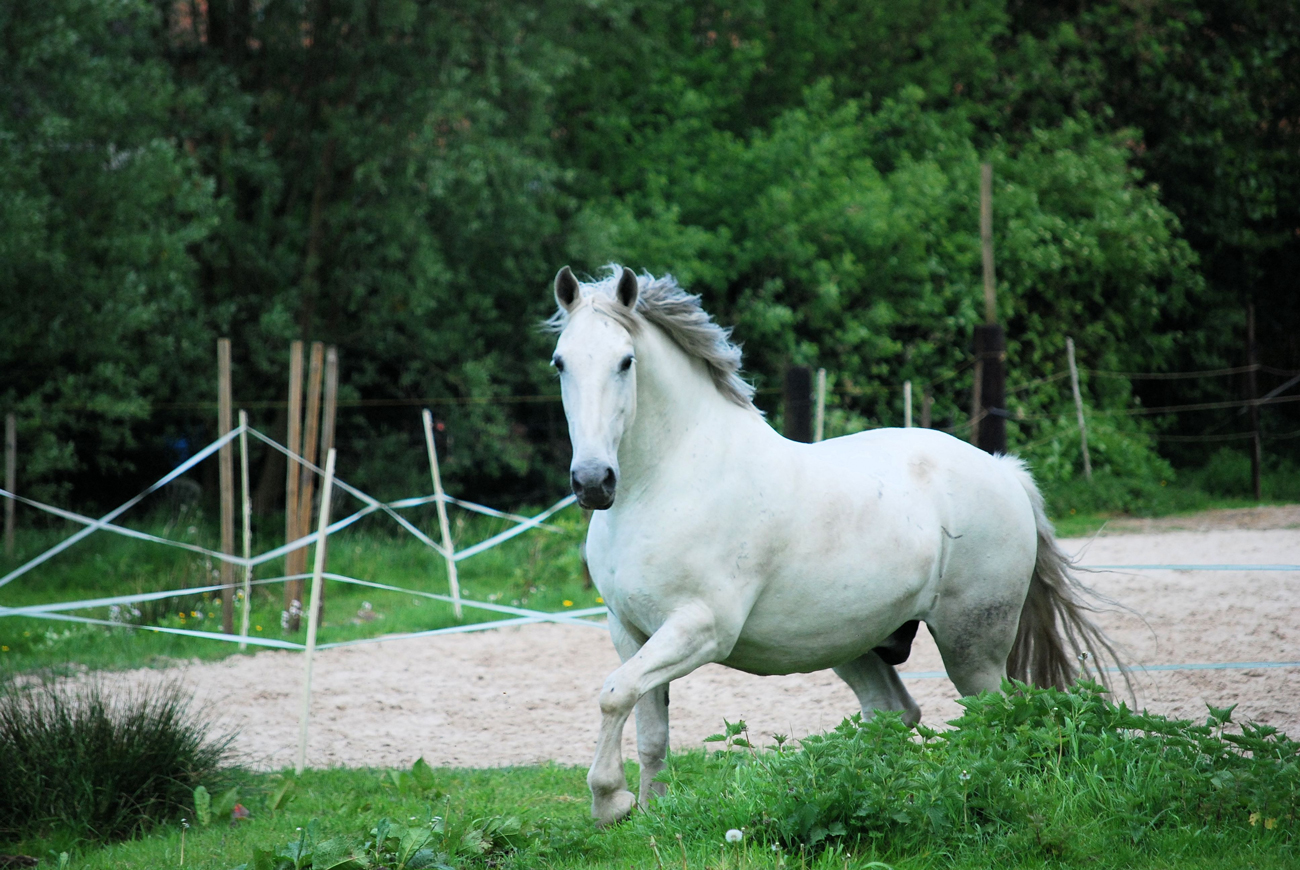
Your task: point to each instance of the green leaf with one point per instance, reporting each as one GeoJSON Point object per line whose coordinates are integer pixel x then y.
{"type": "Point", "coordinates": [282, 795]}
{"type": "Point", "coordinates": [202, 806]}
{"type": "Point", "coordinates": [263, 859]}
{"type": "Point", "coordinates": [715, 738]}
{"type": "Point", "coordinates": [224, 805]}
{"type": "Point", "coordinates": [338, 854]}
{"type": "Point", "coordinates": [422, 773]}
{"type": "Point", "coordinates": [412, 840]}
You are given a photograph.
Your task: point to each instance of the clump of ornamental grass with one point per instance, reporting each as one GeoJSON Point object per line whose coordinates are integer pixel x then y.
{"type": "Point", "coordinates": [78, 761]}
{"type": "Point", "coordinates": [1031, 773]}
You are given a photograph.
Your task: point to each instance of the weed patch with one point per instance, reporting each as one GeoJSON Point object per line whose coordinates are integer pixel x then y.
{"type": "Point", "coordinates": [1033, 772]}
{"type": "Point", "coordinates": [76, 763]}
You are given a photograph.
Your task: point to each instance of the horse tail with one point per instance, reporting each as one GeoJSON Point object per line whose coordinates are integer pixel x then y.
{"type": "Point", "coordinates": [1056, 637]}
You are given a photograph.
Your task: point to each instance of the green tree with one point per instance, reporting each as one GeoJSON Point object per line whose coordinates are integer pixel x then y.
{"type": "Point", "coordinates": [101, 209]}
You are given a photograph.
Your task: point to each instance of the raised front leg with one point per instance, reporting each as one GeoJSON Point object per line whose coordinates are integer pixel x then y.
{"type": "Point", "coordinates": [688, 639]}
{"type": "Point", "coordinates": [651, 715]}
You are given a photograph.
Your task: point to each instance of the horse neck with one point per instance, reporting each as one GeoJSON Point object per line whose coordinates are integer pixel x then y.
{"type": "Point", "coordinates": [676, 403]}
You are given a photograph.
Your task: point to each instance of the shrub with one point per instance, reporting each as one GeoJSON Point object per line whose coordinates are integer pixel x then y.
{"type": "Point", "coordinates": [1032, 771]}
{"type": "Point", "coordinates": [75, 760]}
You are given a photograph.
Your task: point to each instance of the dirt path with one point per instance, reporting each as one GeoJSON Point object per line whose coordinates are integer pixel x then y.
{"type": "Point", "coordinates": [525, 695]}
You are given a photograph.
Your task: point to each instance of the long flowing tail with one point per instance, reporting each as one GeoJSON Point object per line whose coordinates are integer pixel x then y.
{"type": "Point", "coordinates": [1056, 637]}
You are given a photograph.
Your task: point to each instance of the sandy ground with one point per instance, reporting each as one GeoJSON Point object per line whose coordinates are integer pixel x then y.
{"type": "Point", "coordinates": [525, 695]}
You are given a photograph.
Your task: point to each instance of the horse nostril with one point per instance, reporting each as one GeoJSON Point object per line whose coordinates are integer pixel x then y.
{"type": "Point", "coordinates": [610, 479]}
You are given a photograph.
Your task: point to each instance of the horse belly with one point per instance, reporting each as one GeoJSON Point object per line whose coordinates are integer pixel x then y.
{"type": "Point", "coordinates": [819, 623]}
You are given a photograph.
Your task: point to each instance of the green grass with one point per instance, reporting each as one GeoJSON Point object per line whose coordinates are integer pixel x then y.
{"type": "Point", "coordinates": [538, 570]}
{"type": "Point", "coordinates": [1085, 523]}
{"type": "Point", "coordinates": [1032, 779]}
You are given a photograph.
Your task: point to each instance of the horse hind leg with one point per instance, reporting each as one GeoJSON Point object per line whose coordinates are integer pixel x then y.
{"type": "Point", "coordinates": [878, 686]}
{"type": "Point", "coordinates": [974, 639]}
{"type": "Point", "coordinates": [652, 742]}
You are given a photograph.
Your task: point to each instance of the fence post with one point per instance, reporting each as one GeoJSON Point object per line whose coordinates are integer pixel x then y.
{"type": "Point", "coordinates": [248, 528]}
{"type": "Point", "coordinates": [448, 547]}
{"type": "Point", "coordinates": [11, 478]}
{"type": "Point", "coordinates": [1078, 408]}
{"type": "Point", "coordinates": [819, 421]}
{"type": "Point", "coordinates": [307, 486]}
{"type": "Point", "coordinates": [225, 460]}
{"type": "Point", "coordinates": [988, 416]}
{"type": "Point", "coordinates": [329, 411]}
{"type": "Point", "coordinates": [990, 345]}
{"type": "Point", "coordinates": [292, 478]}
{"type": "Point", "coordinates": [312, 619]}
{"type": "Point", "coordinates": [1256, 448]}
{"type": "Point", "coordinates": [907, 404]}
{"type": "Point", "coordinates": [798, 401]}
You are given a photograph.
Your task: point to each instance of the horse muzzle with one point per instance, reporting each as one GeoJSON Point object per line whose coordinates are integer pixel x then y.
{"type": "Point", "coordinates": [594, 483]}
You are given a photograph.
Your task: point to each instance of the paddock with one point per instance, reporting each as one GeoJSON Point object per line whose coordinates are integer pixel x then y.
{"type": "Point", "coordinates": [526, 694]}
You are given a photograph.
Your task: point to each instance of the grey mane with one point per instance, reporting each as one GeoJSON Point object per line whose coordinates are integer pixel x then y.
{"type": "Point", "coordinates": [678, 313]}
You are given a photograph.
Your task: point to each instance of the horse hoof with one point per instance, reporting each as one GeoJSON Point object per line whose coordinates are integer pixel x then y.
{"type": "Point", "coordinates": [613, 809]}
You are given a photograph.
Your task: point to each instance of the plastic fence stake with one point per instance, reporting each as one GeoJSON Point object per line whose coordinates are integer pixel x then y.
{"type": "Point", "coordinates": [313, 617]}
{"type": "Point", "coordinates": [449, 549]}
{"type": "Point", "coordinates": [248, 529]}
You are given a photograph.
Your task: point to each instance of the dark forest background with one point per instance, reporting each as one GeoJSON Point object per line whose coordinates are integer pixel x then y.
{"type": "Point", "coordinates": [403, 178]}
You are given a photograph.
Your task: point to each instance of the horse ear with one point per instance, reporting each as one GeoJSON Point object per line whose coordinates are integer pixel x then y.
{"type": "Point", "coordinates": [627, 288]}
{"type": "Point", "coordinates": [567, 291]}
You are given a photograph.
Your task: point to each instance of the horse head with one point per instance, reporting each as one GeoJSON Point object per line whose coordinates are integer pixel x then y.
{"type": "Point", "coordinates": [596, 362]}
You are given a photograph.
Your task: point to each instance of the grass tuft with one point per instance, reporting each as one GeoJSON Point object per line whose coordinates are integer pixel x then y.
{"type": "Point", "coordinates": [76, 762]}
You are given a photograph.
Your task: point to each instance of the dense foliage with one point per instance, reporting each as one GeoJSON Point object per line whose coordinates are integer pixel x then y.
{"type": "Point", "coordinates": [1033, 772]}
{"type": "Point", "coordinates": [402, 179]}
{"type": "Point", "coordinates": [79, 763]}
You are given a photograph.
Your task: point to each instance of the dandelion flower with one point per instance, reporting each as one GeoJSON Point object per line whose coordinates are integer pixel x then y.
{"type": "Point", "coordinates": [735, 835]}
{"type": "Point", "coordinates": [600, 600]}
{"type": "Point", "coordinates": [568, 603]}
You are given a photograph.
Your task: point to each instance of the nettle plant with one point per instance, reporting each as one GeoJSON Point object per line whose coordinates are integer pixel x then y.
{"type": "Point", "coordinates": [1041, 770]}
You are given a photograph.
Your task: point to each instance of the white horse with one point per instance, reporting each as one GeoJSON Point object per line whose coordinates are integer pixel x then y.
{"type": "Point", "coordinates": [714, 539]}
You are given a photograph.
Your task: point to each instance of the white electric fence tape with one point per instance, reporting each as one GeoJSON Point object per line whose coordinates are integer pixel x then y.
{"type": "Point", "coordinates": [521, 616]}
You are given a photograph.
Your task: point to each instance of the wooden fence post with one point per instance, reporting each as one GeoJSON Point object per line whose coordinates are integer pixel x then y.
{"type": "Point", "coordinates": [798, 404]}
{"type": "Point", "coordinates": [989, 417]}
{"type": "Point", "coordinates": [226, 464]}
{"type": "Point", "coordinates": [1256, 447]}
{"type": "Point", "coordinates": [307, 485]}
{"type": "Point", "coordinates": [907, 404]}
{"type": "Point", "coordinates": [292, 478]}
{"type": "Point", "coordinates": [1078, 408]}
{"type": "Point", "coordinates": [448, 546]}
{"type": "Point", "coordinates": [819, 422]}
{"type": "Point", "coordinates": [329, 411]}
{"type": "Point", "coordinates": [313, 621]}
{"type": "Point", "coordinates": [11, 478]}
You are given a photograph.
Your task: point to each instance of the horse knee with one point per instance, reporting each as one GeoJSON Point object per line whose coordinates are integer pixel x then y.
{"type": "Point", "coordinates": [616, 699]}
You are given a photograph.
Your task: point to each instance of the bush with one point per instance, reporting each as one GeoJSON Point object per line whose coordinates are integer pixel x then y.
{"type": "Point", "coordinates": [74, 760]}
{"type": "Point", "coordinates": [1034, 772]}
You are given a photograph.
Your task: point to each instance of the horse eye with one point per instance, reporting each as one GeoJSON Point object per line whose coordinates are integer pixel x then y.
{"type": "Point", "coordinates": [558, 363]}
{"type": "Point", "coordinates": [625, 364]}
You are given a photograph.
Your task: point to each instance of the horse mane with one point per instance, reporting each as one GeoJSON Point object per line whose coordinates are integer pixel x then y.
{"type": "Point", "coordinates": [662, 302]}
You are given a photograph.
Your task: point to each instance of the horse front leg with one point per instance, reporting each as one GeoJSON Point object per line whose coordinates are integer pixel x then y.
{"type": "Point", "coordinates": [651, 715]}
{"type": "Point", "coordinates": [689, 638]}
{"type": "Point", "coordinates": [652, 742]}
